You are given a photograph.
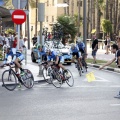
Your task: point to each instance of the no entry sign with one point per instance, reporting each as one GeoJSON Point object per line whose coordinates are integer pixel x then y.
{"type": "Point", "coordinates": [18, 16]}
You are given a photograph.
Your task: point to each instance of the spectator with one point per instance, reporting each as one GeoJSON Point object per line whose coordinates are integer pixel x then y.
{"type": "Point", "coordinates": [118, 42]}
{"type": "Point", "coordinates": [22, 43]}
{"type": "Point", "coordinates": [6, 40]}
{"type": "Point", "coordinates": [34, 39]}
{"type": "Point", "coordinates": [105, 44]}
{"type": "Point", "coordinates": [94, 48]}
{"type": "Point", "coordinates": [1, 40]}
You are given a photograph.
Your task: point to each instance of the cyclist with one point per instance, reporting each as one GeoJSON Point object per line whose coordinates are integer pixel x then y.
{"type": "Point", "coordinates": [42, 52]}
{"type": "Point", "coordinates": [16, 58]}
{"type": "Point", "coordinates": [52, 55]}
{"type": "Point", "coordinates": [75, 52]}
{"type": "Point", "coordinates": [81, 47]}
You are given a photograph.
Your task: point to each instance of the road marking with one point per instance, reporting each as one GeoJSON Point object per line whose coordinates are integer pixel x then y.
{"type": "Point", "coordinates": [114, 105]}
{"type": "Point", "coordinates": [18, 16]}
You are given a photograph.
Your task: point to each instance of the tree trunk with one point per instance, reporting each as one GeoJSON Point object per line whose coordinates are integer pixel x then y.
{"type": "Point", "coordinates": [93, 15]}
{"type": "Point", "coordinates": [36, 19]}
{"type": "Point", "coordinates": [68, 2]}
{"type": "Point", "coordinates": [78, 17]}
{"type": "Point", "coordinates": [98, 20]}
{"type": "Point", "coordinates": [65, 8]}
{"type": "Point", "coordinates": [107, 15]}
{"type": "Point", "coordinates": [88, 20]}
{"type": "Point", "coordinates": [116, 16]}
{"type": "Point", "coordinates": [91, 18]}
{"type": "Point", "coordinates": [72, 8]}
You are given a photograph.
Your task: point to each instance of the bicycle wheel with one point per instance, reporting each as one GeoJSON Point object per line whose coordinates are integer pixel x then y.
{"type": "Point", "coordinates": [84, 65]}
{"type": "Point", "coordinates": [46, 75]}
{"type": "Point", "coordinates": [69, 78]}
{"type": "Point", "coordinates": [28, 79]}
{"type": "Point", "coordinates": [56, 79]}
{"type": "Point", "coordinates": [9, 80]}
{"type": "Point", "coordinates": [79, 69]}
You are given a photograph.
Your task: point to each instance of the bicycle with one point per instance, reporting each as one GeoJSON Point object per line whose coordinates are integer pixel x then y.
{"type": "Point", "coordinates": [77, 65]}
{"type": "Point", "coordinates": [45, 71]}
{"type": "Point", "coordinates": [84, 64]}
{"type": "Point", "coordinates": [10, 79]}
{"type": "Point", "coordinates": [59, 77]}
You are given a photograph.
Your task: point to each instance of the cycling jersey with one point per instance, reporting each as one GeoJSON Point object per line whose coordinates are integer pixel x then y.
{"type": "Point", "coordinates": [75, 50]}
{"type": "Point", "coordinates": [53, 56]}
{"type": "Point", "coordinates": [18, 55]}
{"type": "Point", "coordinates": [81, 47]}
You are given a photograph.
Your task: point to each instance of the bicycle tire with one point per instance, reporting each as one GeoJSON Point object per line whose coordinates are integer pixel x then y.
{"type": "Point", "coordinates": [84, 65]}
{"type": "Point", "coordinates": [79, 69]}
{"type": "Point", "coordinates": [46, 76]}
{"type": "Point", "coordinates": [28, 79]}
{"type": "Point", "coordinates": [9, 82]}
{"type": "Point", "coordinates": [69, 81]}
{"type": "Point", "coordinates": [56, 79]}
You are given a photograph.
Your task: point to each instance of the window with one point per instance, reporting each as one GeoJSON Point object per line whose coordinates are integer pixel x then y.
{"type": "Point", "coordinates": [53, 2]}
{"type": "Point", "coordinates": [80, 3]}
{"type": "Point", "coordinates": [46, 18]}
{"type": "Point", "coordinates": [52, 18]}
{"type": "Point", "coordinates": [47, 2]}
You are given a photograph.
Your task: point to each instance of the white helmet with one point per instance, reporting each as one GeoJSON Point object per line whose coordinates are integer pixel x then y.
{"type": "Point", "coordinates": [79, 40]}
{"type": "Point", "coordinates": [72, 45]}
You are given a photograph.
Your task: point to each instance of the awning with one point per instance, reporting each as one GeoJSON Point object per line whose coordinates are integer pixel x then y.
{"type": "Point", "coordinates": [93, 31]}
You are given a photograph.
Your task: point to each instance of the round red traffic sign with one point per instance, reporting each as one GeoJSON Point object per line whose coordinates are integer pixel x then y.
{"type": "Point", "coordinates": [18, 16]}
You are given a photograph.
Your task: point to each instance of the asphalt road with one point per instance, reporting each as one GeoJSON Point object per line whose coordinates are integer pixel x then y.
{"type": "Point", "coordinates": [84, 101]}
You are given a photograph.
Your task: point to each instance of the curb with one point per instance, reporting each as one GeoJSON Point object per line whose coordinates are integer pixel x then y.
{"type": "Point", "coordinates": [106, 68]}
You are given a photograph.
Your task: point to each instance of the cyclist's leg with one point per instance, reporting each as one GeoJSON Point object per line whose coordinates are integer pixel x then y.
{"type": "Point", "coordinates": [17, 62]}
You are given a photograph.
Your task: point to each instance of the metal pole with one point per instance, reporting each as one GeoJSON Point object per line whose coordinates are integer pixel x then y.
{"type": "Point", "coordinates": [84, 24]}
{"type": "Point", "coordinates": [18, 27]}
{"type": "Point", "coordinates": [28, 26]}
{"type": "Point", "coordinates": [40, 41]}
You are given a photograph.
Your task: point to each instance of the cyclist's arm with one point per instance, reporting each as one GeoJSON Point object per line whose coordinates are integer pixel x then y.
{"type": "Point", "coordinates": [57, 59]}
{"type": "Point", "coordinates": [108, 63]}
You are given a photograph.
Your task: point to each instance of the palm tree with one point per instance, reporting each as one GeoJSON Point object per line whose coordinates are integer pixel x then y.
{"type": "Point", "coordinates": [88, 19]}
{"type": "Point", "coordinates": [99, 5]}
{"type": "Point", "coordinates": [93, 13]}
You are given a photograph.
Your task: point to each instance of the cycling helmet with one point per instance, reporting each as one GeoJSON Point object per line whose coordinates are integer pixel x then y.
{"type": "Point", "coordinates": [79, 40]}
{"type": "Point", "coordinates": [48, 50]}
{"type": "Point", "coordinates": [72, 45]}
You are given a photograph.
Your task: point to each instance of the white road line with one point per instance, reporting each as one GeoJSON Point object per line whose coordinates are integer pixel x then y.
{"type": "Point", "coordinates": [18, 16]}
{"type": "Point", "coordinates": [114, 105]}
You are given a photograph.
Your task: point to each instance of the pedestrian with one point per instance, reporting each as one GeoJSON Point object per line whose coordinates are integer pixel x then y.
{"type": "Point", "coordinates": [105, 44]}
{"type": "Point", "coordinates": [34, 39]}
{"type": "Point", "coordinates": [94, 48]}
{"type": "Point", "coordinates": [118, 42]}
{"type": "Point", "coordinates": [116, 51]}
{"type": "Point", "coordinates": [1, 41]}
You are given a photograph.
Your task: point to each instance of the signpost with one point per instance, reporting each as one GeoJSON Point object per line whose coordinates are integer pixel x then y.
{"type": "Point", "coordinates": [21, 4]}
{"type": "Point", "coordinates": [18, 16]}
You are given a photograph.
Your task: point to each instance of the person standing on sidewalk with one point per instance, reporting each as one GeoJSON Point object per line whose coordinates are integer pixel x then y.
{"type": "Point", "coordinates": [94, 48]}
{"type": "Point", "coordinates": [108, 44]}
{"type": "Point", "coordinates": [116, 51]}
{"type": "Point", "coordinates": [34, 39]}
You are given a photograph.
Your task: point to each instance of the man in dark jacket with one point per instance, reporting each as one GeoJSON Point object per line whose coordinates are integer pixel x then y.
{"type": "Point", "coordinates": [34, 39]}
{"type": "Point", "coordinates": [94, 48]}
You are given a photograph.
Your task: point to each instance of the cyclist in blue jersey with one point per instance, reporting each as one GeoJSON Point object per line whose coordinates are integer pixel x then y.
{"type": "Point", "coordinates": [75, 52]}
{"type": "Point", "coordinates": [16, 58]}
{"type": "Point", "coordinates": [81, 46]}
{"type": "Point", "coordinates": [53, 56]}
{"type": "Point", "coordinates": [42, 52]}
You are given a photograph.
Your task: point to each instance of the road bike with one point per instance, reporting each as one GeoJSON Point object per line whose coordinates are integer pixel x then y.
{"type": "Point", "coordinates": [58, 77]}
{"type": "Point", "coordinates": [11, 80]}
{"type": "Point", "coordinates": [84, 64]}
